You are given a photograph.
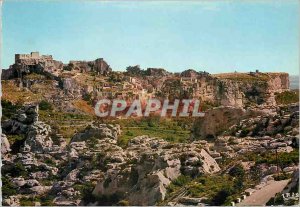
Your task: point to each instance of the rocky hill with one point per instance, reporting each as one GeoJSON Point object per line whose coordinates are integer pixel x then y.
{"type": "Point", "coordinates": [55, 151]}
{"type": "Point", "coordinates": [92, 80]}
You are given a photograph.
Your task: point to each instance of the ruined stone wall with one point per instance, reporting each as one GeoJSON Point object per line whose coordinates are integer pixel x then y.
{"type": "Point", "coordinates": [99, 66]}
{"type": "Point", "coordinates": [32, 57]}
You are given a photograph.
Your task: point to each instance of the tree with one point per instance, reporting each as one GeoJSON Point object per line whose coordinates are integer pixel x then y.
{"type": "Point", "coordinates": [135, 70]}
{"type": "Point", "coordinates": [221, 197]}
{"type": "Point", "coordinates": [237, 171]}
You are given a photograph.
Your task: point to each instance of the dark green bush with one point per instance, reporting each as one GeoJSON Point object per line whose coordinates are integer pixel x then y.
{"type": "Point", "coordinates": [237, 171]}
{"type": "Point", "coordinates": [287, 97]}
{"type": "Point", "coordinates": [8, 188]}
{"type": "Point", "coordinates": [221, 196]}
{"type": "Point", "coordinates": [9, 109]}
{"type": "Point", "coordinates": [181, 180]}
{"type": "Point", "coordinates": [45, 105]}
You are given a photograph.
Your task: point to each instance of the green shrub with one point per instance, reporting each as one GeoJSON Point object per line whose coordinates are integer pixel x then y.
{"type": "Point", "coordinates": [47, 201]}
{"type": "Point", "coordinates": [129, 133]}
{"type": "Point", "coordinates": [284, 159]}
{"type": "Point", "coordinates": [9, 109]}
{"type": "Point", "coordinates": [244, 132]}
{"type": "Point", "coordinates": [45, 105]}
{"type": "Point", "coordinates": [16, 141]}
{"type": "Point", "coordinates": [277, 200]}
{"type": "Point", "coordinates": [86, 192]}
{"type": "Point", "coordinates": [221, 196]}
{"type": "Point", "coordinates": [110, 200]}
{"type": "Point", "coordinates": [181, 180]}
{"type": "Point", "coordinates": [287, 97]}
{"type": "Point", "coordinates": [8, 189]}
{"type": "Point", "coordinates": [30, 201]}
{"type": "Point", "coordinates": [15, 170]}
{"type": "Point", "coordinates": [87, 97]}
{"type": "Point", "coordinates": [282, 176]}
{"type": "Point", "coordinates": [107, 182]}
{"type": "Point", "coordinates": [237, 171]}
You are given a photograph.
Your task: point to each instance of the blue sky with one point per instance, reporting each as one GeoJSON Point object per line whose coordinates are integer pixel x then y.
{"type": "Point", "coordinates": [218, 36]}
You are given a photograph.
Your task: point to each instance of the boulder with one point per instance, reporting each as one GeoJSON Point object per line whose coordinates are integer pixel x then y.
{"type": "Point", "coordinates": [37, 138]}
{"type": "Point", "coordinates": [39, 190]}
{"type": "Point", "coordinates": [5, 146]}
{"type": "Point", "coordinates": [99, 131]}
{"type": "Point", "coordinates": [148, 166]}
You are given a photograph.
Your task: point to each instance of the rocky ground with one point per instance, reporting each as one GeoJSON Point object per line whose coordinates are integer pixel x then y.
{"type": "Point", "coordinates": [48, 166]}
{"type": "Point", "coordinates": [43, 169]}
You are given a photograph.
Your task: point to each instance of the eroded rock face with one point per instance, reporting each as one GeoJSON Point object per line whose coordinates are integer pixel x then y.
{"type": "Point", "coordinates": [148, 167]}
{"type": "Point", "coordinates": [37, 138]}
{"type": "Point", "coordinates": [236, 89]}
{"type": "Point", "coordinates": [5, 146]}
{"type": "Point", "coordinates": [24, 117]}
{"type": "Point", "coordinates": [99, 66]}
{"type": "Point", "coordinates": [25, 122]}
{"type": "Point", "coordinates": [251, 122]}
{"type": "Point", "coordinates": [218, 120]}
{"type": "Point", "coordinates": [70, 86]}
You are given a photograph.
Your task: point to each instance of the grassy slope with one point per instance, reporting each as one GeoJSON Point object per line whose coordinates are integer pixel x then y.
{"type": "Point", "coordinates": [170, 130]}
{"type": "Point", "coordinates": [243, 76]}
{"type": "Point", "coordinates": [15, 94]}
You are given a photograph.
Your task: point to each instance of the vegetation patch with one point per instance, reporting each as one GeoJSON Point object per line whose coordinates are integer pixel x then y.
{"type": "Point", "coordinates": [16, 95]}
{"type": "Point", "coordinates": [9, 109]}
{"type": "Point", "coordinates": [170, 130]}
{"type": "Point", "coordinates": [287, 97]}
{"type": "Point", "coordinates": [45, 105]}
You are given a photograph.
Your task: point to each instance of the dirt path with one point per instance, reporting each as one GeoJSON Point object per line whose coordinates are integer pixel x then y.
{"type": "Point", "coordinates": [262, 196]}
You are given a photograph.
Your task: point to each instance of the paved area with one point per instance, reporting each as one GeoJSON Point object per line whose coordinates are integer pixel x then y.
{"type": "Point", "coordinates": [262, 196]}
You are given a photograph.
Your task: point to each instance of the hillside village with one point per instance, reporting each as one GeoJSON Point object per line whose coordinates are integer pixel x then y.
{"type": "Point", "coordinates": [96, 79]}
{"type": "Point", "coordinates": [55, 151]}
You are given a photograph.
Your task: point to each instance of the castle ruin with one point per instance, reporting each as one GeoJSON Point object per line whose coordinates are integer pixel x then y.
{"type": "Point", "coordinates": [33, 56]}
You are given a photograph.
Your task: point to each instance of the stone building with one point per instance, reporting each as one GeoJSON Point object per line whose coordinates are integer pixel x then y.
{"type": "Point", "coordinates": [32, 57]}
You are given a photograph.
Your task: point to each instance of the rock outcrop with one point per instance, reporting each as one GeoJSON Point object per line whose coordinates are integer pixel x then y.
{"type": "Point", "coordinates": [98, 66]}
{"type": "Point", "coordinates": [25, 122]}
{"type": "Point", "coordinates": [37, 138]}
{"type": "Point", "coordinates": [141, 172]}
{"type": "Point", "coordinates": [5, 146]}
{"type": "Point", "coordinates": [233, 89]}
{"type": "Point", "coordinates": [149, 165]}
{"type": "Point", "coordinates": [98, 131]}
{"type": "Point", "coordinates": [218, 120]}
{"type": "Point", "coordinates": [20, 122]}
{"type": "Point", "coordinates": [78, 79]}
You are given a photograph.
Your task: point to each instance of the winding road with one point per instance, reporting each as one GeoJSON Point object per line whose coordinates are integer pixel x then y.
{"type": "Point", "coordinates": [262, 196]}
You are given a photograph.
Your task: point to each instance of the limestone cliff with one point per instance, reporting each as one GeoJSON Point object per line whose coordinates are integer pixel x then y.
{"type": "Point", "coordinates": [231, 89]}
{"type": "Point", "coordinates": [95, 80]}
